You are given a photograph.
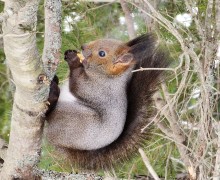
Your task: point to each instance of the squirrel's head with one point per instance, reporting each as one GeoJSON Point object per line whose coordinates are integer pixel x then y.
{"type": "Point", "coordinates": [113, 57]}
{"type": "Point", "coordinates": [108, 56]}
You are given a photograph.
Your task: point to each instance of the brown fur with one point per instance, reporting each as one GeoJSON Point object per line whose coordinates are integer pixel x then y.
{"type": "Point", "coordinates": [140, 52]}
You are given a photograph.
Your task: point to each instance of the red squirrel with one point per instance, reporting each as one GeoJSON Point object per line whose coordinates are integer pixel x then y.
{"type": "Point", "coordinates": [102, 108]}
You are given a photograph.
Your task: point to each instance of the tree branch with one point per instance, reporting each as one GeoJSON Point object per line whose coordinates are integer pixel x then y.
{"type": "Point", "coordinates": [148, 165]}
{"type": "Point", "coordinates": [162, 21]}
{"type": "Point", "coordinates": [217, 18]}
{"type": "Point", "coordinates": [177, 135]}
{"type": "Point", "coordinates": [216, 172]}
{"type": "Point", "coordinates": [45, 175]}
{"type": "Point", "coordinates": [189, 6]}
{"type": "Point", "coordinates": [128, 19]}
{"type": "Point", "coordinates": [150, 22]}
{"type": "Point", "coordinates": [52, 40]}
{"type": "Point", "coordinates": [24, 63]}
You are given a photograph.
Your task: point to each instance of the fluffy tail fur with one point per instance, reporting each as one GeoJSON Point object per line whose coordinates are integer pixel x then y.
{"type": "Point", "coordinates": [140, 90]}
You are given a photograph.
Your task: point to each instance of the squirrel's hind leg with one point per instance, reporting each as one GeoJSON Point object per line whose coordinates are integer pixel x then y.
{"type": "Point", "coordinates": [53, 95]}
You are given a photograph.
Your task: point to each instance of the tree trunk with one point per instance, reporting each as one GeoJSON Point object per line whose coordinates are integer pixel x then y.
{"type": "Point", "coordinates": [32, 85]}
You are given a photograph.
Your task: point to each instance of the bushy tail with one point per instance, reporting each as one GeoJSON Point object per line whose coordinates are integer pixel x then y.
{"type": "Point", "coordinates": [140, 90]}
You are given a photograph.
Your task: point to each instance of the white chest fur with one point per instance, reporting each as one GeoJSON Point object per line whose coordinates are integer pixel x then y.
{"type": "Point", "coordinates": [65, 94]}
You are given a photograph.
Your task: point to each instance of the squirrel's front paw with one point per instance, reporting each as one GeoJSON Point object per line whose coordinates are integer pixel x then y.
{"type": "Point", "coordinates": [72, 58]}
{"type": "Point", "coordinates": [70, 55]}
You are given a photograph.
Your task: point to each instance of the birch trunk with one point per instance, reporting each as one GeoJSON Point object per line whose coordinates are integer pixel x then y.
{"type": "Point", "coordinates": [32, 86]}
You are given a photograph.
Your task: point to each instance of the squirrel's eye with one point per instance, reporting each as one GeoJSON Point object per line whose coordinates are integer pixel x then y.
{"type": "Point", "coordinates": [102, 53]}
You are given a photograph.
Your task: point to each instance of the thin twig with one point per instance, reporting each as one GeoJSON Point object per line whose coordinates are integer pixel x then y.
{"type": "Point", "coordinates": [148, 165]}
{"type": "Point", "coordinates": [216, 172]}
{"type": "Point", "coordinates": [162, 21]}
{"type": "Point", "coordinates": [154, 69]}
{"type": "Point", "coordinates": [167, 162]}
{"type": "Point", "coordinates": [189, 6]}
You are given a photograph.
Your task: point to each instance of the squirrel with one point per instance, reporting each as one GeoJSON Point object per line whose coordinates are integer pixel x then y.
{"type": "Point", "coordinates": [97, 119]}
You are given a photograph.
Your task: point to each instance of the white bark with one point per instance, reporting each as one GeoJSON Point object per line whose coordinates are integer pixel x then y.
{"type": "Point", "coordinates": [52, 41]}
{"type": "Point", "coordinates": [24, 63]}
{"type": "Point", "coordinates": [31, 91]}
{"type": "Point", "coordinates": [3, 149]}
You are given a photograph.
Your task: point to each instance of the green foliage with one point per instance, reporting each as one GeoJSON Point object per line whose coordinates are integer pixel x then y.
{"type": "Point", "coordinates": [50, 160]}
{"type": "Point", "coordinates": [159, 151]}
{"type": "Point", "coordinates": [5, 99]}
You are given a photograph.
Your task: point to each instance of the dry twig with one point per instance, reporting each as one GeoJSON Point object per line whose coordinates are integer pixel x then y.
{"type": "Point", "coordinates": [148, 165]}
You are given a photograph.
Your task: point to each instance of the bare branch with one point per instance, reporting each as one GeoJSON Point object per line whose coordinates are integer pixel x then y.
{"type": "Point", "coordinates": [148, 165]}
{"type": "Point", "coordinates": [45, 175]}
{"type": "Point", "coordinates": [165, 130]}
{"type": "Point", "coordinates": [162, 21]}
{"type": "Point", "coordinates": [52, 41]}
{"type": "Point", "coordinates": [128, 19]}
{"type": "Point", "coordinates": [170, 116]}
{"type": "Point", "coordinates": [150, 22]}
{"type": "Point", "coordinates": [216, 172]}
{"type": "Point", "coordinates": [189, 6]}
{"type": "Point", "coordinates": [154, 69]}
{"type": "Point", "coordinates": [182, 84]}
{"type": "Point", "coordinates": [217, 18]}
{"type": "Point", "coordinates": [177, 135]}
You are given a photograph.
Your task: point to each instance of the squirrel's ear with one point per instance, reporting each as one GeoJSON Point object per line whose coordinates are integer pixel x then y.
{"type": "Point", "coordinates": [122, 63]}
{"type": "Point", "coordinates": [125, 59]}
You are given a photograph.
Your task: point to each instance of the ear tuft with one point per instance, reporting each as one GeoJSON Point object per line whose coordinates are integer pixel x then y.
{"type": "Point", "coordinates": [142, 47]}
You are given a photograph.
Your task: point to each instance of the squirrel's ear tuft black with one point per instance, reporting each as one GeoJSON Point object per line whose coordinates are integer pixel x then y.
{"type": "Point", "coordinates": [149, 38]}
{"type": "Point", "coordinates": [142, 46]}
